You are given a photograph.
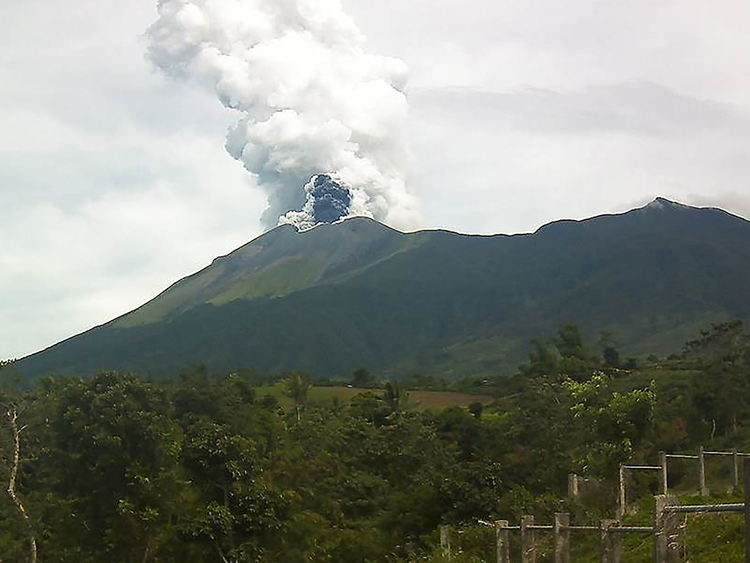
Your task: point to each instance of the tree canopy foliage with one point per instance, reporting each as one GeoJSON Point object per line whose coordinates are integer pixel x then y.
{"type": "Point", "coordinates": [207, 468]}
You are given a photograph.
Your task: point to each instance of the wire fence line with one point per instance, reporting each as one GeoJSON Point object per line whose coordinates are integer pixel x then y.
{"type": "Point", "coordinates": [663, 469]}
{"type": "Point", "coordinates": [665, 531]}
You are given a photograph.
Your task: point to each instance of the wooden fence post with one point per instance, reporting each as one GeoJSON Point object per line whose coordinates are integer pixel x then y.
{"type": "Point", "coordinates": [609, 543]}
{"type": "Point", "coordinates": [746, 483]}
{"type": "Point", "coordinates": [445, 541]}
{"type": "Point", "coordinates": [664, 481]}
{"type": "Point", "coordinates": [502, 538]}
{"type": "Point", "coordinates": [561, 537]}
{"type": "Point", "coordinates": [702, 472]}
{"type": "Point", "coordinates": [528, 540]}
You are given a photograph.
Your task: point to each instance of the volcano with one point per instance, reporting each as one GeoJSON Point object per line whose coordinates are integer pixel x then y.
{"type": "Point", "coordinates": [357, 293]}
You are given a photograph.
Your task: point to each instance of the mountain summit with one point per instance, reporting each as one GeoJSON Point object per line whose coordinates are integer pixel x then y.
{"type": "Point", "coordinates": [358, 293]}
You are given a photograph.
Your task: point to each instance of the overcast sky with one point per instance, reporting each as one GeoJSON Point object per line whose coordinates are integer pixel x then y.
{"type": "Point", "coordinates": [114, 181]}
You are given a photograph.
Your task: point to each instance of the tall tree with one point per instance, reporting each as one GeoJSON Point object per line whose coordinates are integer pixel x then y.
{"type": "Point", "coordinates": [721, 391]}
{"type": "Point", "coordinates": [116, 462]}
{"type": "Point", "coordinates": [297, 386]}
{"type": "Point", "coordinates": [11, 412]}
{"type": "Point", "coordinates": [612, 424]}
{"type": "Point", "coordinates": [363, 379]}
{"type": "Point", "coordinates": [395, 397]}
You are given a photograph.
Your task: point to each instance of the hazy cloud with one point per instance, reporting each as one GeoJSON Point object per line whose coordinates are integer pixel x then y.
{"type": "Point", "coordinates": [515, 160]}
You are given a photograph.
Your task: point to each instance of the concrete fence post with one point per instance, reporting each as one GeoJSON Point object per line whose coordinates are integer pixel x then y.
{"type": "Point", "coordinates": [664, 479]}
{"type": "Point", "coordinates": [609, 543]}
{"type": "Point", "coordinates": [561, 535]}
{"type": "Point", "coordinates": [735, 470]}
{"type": "Point", "coordinates": [502, 539]}
{"type": "Point", "coordinates": [746, 483]}
{"type": "Point", "coordinates": [660, 538]}
{"type": "Point", "coordinates": [702, 472]}
{"type": "Point", "coordinates": [621, 497]}
{"type": "Point", "coordinates": [574, 487]}
{"type": "Point", "coordinates": [666, 545]}
{"type": "Point", "coordinates": [445, 541]}
{"type": "Point", "coordinates": [528, 540]}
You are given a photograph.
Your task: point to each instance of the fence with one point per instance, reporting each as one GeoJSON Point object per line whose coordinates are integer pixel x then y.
{"type": "Point", "coordinates": [664, 530]}
{"type": "Point", "coordinates": [608, 531]}
{"type": "Point", "coordinates": [662, 468]}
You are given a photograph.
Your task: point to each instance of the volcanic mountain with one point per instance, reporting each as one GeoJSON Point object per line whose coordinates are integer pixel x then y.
{"type": "Point", "coordinates": [358, 293]}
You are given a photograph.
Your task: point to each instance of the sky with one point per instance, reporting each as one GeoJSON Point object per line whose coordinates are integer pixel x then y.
{"type": "Point", "coordinates": [114, 180]}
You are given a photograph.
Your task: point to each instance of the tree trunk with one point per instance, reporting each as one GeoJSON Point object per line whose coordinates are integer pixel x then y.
{"type": "Point", "coordinates": [12, 415]}
{"type": "Point", "coordinates": [147, 553]}
{"type": "Point", "coordinates": [221, 553]}
{"type": "Point", "coordinates": [230, 532]}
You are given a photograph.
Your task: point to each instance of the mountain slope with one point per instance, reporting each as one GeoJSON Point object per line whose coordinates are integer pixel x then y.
{"type": "Point", "coordinates": [279, 263]}
{"type": "Point", "coordinates": [357, 293]}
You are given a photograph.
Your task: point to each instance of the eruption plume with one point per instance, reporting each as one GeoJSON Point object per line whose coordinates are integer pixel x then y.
{"type": "Point", "coordinates": [323, 123]}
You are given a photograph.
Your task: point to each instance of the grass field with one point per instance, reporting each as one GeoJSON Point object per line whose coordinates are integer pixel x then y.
{"type": "Point", "coordinates": [423, 400]}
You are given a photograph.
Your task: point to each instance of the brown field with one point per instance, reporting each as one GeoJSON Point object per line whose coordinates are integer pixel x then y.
{"type": "Point", "coordinates": [423, 399]}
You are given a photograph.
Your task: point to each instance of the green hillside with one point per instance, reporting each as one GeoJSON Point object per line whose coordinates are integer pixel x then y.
{"type": "Point", "coordinates": [341, 296]}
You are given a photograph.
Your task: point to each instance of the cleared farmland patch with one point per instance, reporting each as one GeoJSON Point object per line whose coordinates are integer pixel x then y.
{"type": "Point", "coordinates": [423, 400]}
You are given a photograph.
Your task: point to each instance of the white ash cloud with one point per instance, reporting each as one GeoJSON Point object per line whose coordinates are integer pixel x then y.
{"type": "Point", "coordinates": [312, 101]}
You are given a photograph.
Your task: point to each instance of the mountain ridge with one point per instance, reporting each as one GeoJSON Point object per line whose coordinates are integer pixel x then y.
{"type": "Point", "coordinates": [357, 292]}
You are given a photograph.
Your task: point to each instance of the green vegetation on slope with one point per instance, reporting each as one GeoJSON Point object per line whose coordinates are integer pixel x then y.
{"type": "Point", "coordinates": [279, 263]}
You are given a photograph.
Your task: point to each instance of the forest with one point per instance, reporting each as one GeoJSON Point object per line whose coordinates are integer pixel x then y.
{"type": "Point", "coordinates": [209, 467]}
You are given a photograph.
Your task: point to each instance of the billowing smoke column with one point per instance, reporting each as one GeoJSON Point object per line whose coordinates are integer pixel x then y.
{"type": "Point", "coordinates": [323, 123]}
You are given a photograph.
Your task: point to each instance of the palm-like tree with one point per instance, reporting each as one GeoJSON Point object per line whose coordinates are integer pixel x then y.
{"type": "Point", "coordinates": [395, 397]}
{"type": "Point", "coordinates": [297, 386]}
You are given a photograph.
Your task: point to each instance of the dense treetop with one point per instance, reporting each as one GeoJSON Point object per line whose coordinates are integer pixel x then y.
{"type": "Point", "coordinates": [209, 467]}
